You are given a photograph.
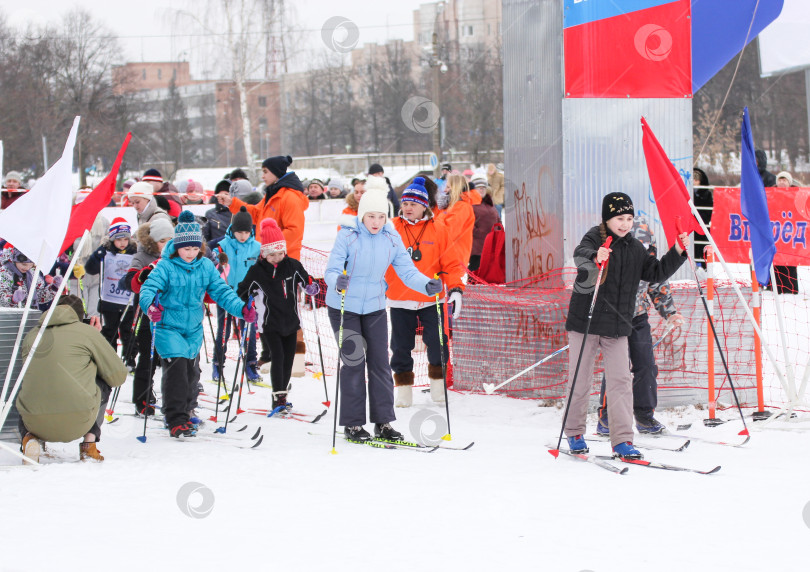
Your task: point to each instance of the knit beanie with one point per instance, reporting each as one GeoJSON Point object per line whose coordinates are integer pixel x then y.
{"type": "Point", "coordinates": [160, 228]}
{"type": "Point", "coordinates": [316, 182]}
{"type": "Point", "coordinates": [13, 176]}
{"type": "Point", "coordinates": [277, 165]}
{"type": "Point", "coordinates": [272, 238]}
{"type": "Point", "coordinates": [141, 189]}
{"type": "Point", "coordinates": [188, 231]}
{"type": "Point", "coordinates": [372, 201]}
{"type": "Point", "coordinates": [241, 188]}
{"type": "Point", "coordinates": [119, 228]}
{"type": "Point", "coordinates": [17, 256]}
{"type": "Point", "coordinates": [375, 168]}
{"type": "Point", "coordinates": [377, 184]}
{"type": "Point", "coordinates": [152, 175]}
{"type": "Point", "coordinates": [242, 221]}
{"type": "Point", "coordinates": [785, 175]}
{"type": "Point", "coordinates": [615, 204]}
{"type": "Point", "coordinates": [416, 192]}
{"type": "Point", "coordinates": [223, 185]}
{"type": "Point", "coordinates": [479, 181]}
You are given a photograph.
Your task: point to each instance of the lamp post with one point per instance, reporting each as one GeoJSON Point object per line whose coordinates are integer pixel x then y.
{"type": "Point", "coordinates": [437, 66]}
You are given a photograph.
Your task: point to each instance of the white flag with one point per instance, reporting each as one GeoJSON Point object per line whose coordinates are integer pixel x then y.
{"type": "Point", "coordinates": [37, 222]}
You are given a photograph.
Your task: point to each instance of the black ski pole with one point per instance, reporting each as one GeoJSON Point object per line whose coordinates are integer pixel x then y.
{"type": "Point", "coordinates": [224, 429]}
{"type": "Point", "coordinates": [320, 349]}
{"type": "Point", "coordinates": [702, 295]}
{"type": "Point", "coordinates": [154, 328]}
{"type": "Point", "coordinates": [243, 350]}
{"type": "Point", "coordinates": [340, 351]}
{"type": "Point", "coordinates": [556, 452]}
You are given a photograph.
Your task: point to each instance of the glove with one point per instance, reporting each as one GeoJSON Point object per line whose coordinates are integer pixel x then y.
{"type": "Point", "coordinates": [53, 281]}
{"type": "Point", "coordinates": [342, 282]}
{"type": "Point", "coordinates": [249, 313]}
{"type": "Point", "coordinates": [143, 273]}
{"type": "Point", "coordinates": [78, 271]}
{"type": "Point", "coordinates": [455, 300]}
{"type": "Point", "coordinates": [155, 313]}
{"type": "Point", "coordinates": [312, 288]}
{"type": "Point", "coordinates": [433, 287]}
{"type": "Point", "coordinates": [99, 254]}
{"type": "Point", "coordinates": [18, 296]}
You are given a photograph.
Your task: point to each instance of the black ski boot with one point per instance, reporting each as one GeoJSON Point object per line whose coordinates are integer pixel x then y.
{"type": "Point", "coordinates": [385, 432]}
{"type": "Point", "coordinates": [356, 434]}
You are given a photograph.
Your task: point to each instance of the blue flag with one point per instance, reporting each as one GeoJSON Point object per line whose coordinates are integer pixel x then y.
{"type": "Point", "coordinates": [755, 207]}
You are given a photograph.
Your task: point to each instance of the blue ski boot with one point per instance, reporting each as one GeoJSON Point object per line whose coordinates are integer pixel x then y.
{"type": "Point", "coordinates": [577, 444]}
{"type": "Point", "coordinates": [602, 427]}
{"type": "Point", "coordinates": [650, 425]}
{"type": "Point", "coordinates": [215, 375]}
{"type": "Point", "coordinates": [627, 451]}
{"type": "Point", "coordinates": [251, 371]}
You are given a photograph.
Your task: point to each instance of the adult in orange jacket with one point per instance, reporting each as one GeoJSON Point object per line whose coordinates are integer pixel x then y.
{"type": "Point", "coordinates": [459, 217]}
{"type": "Point", "coordinates": [428, 243]}
{"type": "Point", "coordinates": [284, 201]}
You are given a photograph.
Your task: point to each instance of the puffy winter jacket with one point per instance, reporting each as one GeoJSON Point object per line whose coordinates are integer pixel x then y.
{"type": "Point", "coordinates": [284, 202]}
{"type": "Point", "coordinates": [367, 257]}
{"type": "Point", "coordinates": [59, 398]}
{"type": "Point", "coordinates": [182, 286]}
{"type": "Point", "coordinates": [93, 266]}
{"type": "Point", "coordinates": [219, 219]}
{"type": "Point", "coordinates": [275, 290]}
{"type": "Point", "coordinates": [485, 218]}
{"type": "Point", "coordinates": [460, 220]}
{"type": "Point", "coordinates": [241, 256]}
{"type": "Point", "coordinates": [433, 244]}
{"type": "Point", "coordinates": [629, 263]}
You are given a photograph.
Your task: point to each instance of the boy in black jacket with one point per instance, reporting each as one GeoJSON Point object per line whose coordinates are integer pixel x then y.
{"type": "Point", "coordinates": [112, 259]}
{"type": "Point", "coordinates": [273, 282]}
{"type": "Point", "coordinates": [627, 263]}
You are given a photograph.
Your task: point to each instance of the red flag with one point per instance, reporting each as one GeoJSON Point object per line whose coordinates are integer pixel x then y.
{"type": "Point", "coordinates": [671, 196]}
{"type": "Point", "coordinates": [84, 214]}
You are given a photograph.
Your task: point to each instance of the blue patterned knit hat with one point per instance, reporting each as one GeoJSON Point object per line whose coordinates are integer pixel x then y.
{"type": "Point", "coordinates": [188, 231]}
{"type": "Point", "coordinates": [416, 192]}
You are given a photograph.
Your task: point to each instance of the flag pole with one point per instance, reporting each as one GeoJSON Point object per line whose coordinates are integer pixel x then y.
{"type": "Point", "coordinates": [27, 310]}
{"type": "Point", "coordinates": [7, 404]}
{"type": "Point", "coordinates": [719, 255]}
{"type": "Point", "coordinates": [780, 318]}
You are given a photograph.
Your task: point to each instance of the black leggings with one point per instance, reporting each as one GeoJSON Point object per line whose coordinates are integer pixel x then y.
{"type": "Point", "coordinates": [282, 353]}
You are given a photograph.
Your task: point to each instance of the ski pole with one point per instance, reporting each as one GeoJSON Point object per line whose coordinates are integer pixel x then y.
{"type": "Point", "coordinates": [490, 388]}
{"type": "Point", "coordinates": [153, 327]}
{"type": "Point", "coordinates": [224, 429]}
{"type": "Point", "coordinates": [243, 349]}
{"type": "Point", "coordinates": [678, 229]}
{"type": "Point", "coordinates": [444, 365]}
{"type": "Point", "coordinates": [327, 403]}
{"type": "Point", "coordinates": [556, 452]}
{"type": "Point", "coordinates": [81, 295]}
{"type": "Point", "coordinates": [340, 351]}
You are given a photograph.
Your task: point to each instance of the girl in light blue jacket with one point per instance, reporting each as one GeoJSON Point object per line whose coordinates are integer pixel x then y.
{"type": "Point", "coordinates": [365, 247]}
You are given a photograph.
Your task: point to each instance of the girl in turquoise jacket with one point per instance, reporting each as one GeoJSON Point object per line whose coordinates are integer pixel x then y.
{"type": "Point", "coordinates": [172, 297]}
{"type": "Point", "coordinates": [365, 247]}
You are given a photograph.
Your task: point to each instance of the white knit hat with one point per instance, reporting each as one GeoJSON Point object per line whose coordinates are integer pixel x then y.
{"type": "Point", "coordinates": [372, 201]}
{"type": "Point", "coordinates": [141, 189]}
{"type": "Point", "coordinates": [377, 183]}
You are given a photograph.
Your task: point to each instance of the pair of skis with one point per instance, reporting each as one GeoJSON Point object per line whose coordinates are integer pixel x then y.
{"type": "Point", "coordinates": [603, 461]}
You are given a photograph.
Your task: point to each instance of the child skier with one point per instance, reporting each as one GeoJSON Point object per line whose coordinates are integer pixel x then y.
{"type": "Point", "coordinates": [16, 275]}
{"type": "Point", "coordinates": [112, 259]}
{"type": "Point", "coordinates": [627, 263]}
{"type": "Point", "coordinates": [181, 280]}
{"type": "Point", "coordinates": [152, 238]}
{"type": "Point", "coordinates": [240, 251]}
{"type": "Point", "coordinates": [273, 282]}
{"type": "Point", "coordinates": [364, 249]}
{"type": "Point", "coordinates": [428, 244]}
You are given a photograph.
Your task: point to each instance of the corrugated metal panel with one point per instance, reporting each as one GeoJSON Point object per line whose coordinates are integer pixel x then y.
{"type": "Point", "coordinates": [9, 323]}
{"type": "Point", "coordinates": [602, 152]}
{"type": "Point", "coordinates": [532, 51]}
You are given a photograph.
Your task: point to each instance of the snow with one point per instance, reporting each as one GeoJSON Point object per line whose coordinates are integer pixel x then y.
{"type": "Point", "coordinates": [504, 503]}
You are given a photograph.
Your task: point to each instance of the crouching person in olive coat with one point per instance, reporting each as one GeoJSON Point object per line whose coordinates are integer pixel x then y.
{"type": "Point", "coordinates": [65, 390]}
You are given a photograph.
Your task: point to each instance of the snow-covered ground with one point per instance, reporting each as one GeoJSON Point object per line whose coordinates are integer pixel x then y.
{"type": "Point", "coordinates": [503, 504]}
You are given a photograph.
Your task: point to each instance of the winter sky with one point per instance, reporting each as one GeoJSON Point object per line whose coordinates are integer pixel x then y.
{"type": "Point", "coordinates": [146, 27]}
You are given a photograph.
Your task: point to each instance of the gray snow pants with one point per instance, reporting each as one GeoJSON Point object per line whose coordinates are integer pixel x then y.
{"type": "Point", "coordinates": [365, 345]}
{"type": "Point", "coordinates": [618, 380]}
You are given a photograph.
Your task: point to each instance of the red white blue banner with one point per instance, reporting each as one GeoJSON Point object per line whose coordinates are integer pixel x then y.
{"type": "Point", "coordinates": [627, 48]}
